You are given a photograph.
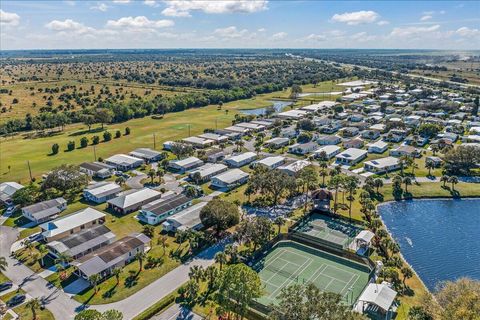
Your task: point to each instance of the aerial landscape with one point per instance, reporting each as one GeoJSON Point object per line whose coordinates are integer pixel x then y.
{"type": "Point", "coordinates": [239, 159]}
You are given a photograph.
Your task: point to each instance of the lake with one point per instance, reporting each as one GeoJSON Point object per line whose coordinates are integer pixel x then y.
{"type": "Point", "coordinates": [277, 105]}
{"type": "Point", "coordinates": [439, 238]}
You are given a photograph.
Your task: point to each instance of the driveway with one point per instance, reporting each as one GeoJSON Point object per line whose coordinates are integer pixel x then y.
{"type": "Point", "coordinates": [177, 312]}
{"type": "Point", "coordinates": [135, 182]}
{"type": "Point", "coordinates": [63, 306]}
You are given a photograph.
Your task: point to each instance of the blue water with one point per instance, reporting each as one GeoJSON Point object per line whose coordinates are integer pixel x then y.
{"type": "Point", "coordinates": [277, 105]}
{"type": "Point", "coordinates": [439, 238]}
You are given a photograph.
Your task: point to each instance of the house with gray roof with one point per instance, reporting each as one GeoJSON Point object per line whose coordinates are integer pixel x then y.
{"type": "Point", "coordinates": [81, 243]}
{"type": "Point", "coordinates": [45, 210]}
{"type": "Point", "coordinates": [188, 219]}
{"type": "Point", "coordinates": [132, 200]}
{"type": "Point", "coordinates": [101, 192]}
{"type": "Point", "coordinates": [147, 154]}
{"type": "Point", "coordinates": [184, 165]}
{"type": "Point", "coordinates": [207, 171]}
{"type": "Point", "coordinates": [351, 156]}
{"type": "Point", "coordinates": [7, 189]}
{"type": "Point", "coordinates": [157, 211]}
{"type": "Point", "coordinates": [124, 162]}
{"type": "Point", "coordinates": [230, 179]}
{"type": "Point", "coordinates": [241, 159]}
{"type": "Point", "coordinates": [114, 255]}
{"type": "Point", "coordinates": [382, 165]}
{"type": "Point", "coordinates": [97, 169]}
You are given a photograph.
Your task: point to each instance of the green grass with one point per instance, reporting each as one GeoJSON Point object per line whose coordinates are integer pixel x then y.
{"type": "Point", "coordinates": [26, 313]}
{"type": "Point", "coordinates": [9, 295]}
{"type": "Point", "coordinates": [3, 278]}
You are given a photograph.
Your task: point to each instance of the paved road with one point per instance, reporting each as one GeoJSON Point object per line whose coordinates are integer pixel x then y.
{"type": "Point", "coordinates": [63, 307]}
{"type": "Point", "coordinates": [135, 182]}
{"type": "Point", "coordinates": [177, 312]}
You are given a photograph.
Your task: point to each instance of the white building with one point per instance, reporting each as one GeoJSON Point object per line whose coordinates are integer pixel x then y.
{"type": "Point", "coordinates": [7, 189]}
{"type": "Point", "coordinates": [101, 192]}
{"type": "Point", "coordinates": [294, 167]}
{"type": "Point", "coordinates": [124, 162]}
{"type": "Point", "coordinates": [45, 210]}
{"type": "Point", "coordinates": [188, 219]}
{"type": "Point", "coordinates": [184, 165]}
{"type": "Point", "coordinates": [241, 159]}
{"type": "Point", "coordinates": [207, 171]}
{"type": "Point", "coordinates": [230, 179]}
{"type": "Point", "coordinates": [377, 147]}
{"type": "Point", "coordinates": [330, 151]}
{"type": "Point", "coordinates": [351, 156]}
{"type": "Point", "coordinates": [198, 142]}
{"type": "Point", "coordinates": [382, 165]}
{"type": "Point", "coordinates": [270, 162]}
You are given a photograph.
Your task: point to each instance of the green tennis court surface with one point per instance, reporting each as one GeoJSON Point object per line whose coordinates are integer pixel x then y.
{"type": "Point", "coordinates": [333, 230]}
{"type": "Point", "coordinates": [290, 262]}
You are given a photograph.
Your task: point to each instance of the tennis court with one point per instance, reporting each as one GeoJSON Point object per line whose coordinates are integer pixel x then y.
{"type": "Point", "coordinates": [333, 230]}
{"type": "Point", "coordinates": [291, 262]}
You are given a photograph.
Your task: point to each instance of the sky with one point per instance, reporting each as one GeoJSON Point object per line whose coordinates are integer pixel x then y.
{"type": "Point", "coordinates": [126, 24]}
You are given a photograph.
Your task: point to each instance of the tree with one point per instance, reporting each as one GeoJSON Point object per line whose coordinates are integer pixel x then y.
{"type": "Point", "coordinates": [117, 271]}
{"type": "Point", "coordinates": [89, 314]}
{"type": "Point", "coordinates": [107, 136]}
{"type": "Point", "coordinates": [309, 177]}
{"type": "Point", "coordinates": [71, 145]}
{"type": "Point", "coordinates": [140, 256]}
{"type": "Point", "coordinates": [220, 258]}
{"type": "Point", "coordinates": [196, 273]}
{"type": "Point", "coordinates": [453, 180]}
{"type": "Point", "coordinates": [120, 181]}
{"type": "Point", "coordinates": [458, 300]}
{"type": "Point", "coordinates": [335, 183]}
{"type": "Point", "coordinates": [407, 274]}
{"type": "Point", "coordinates": [151, 174]}
{"type": "Point", "coordinates": [445, 179]}
{"type": "Point", "coordinates": [55, 148]}
{"type": "Point", "coordinates": [84, 142]}
{"type": "Point", "coordinates": [295, 90]}
{"type": "Point", "coordinates": [3, 264]}
{"type": "Point", "coordinates": [103, 116]}
{"type": "Point", "coordinates": [148, 230]}
{"type": "Point", "coordinates": [94, 280]}
{"type": "Point", "coordinates": [181, 150]}
{"type": "Point", "coordinates": [118, 134]}
{"type": "Point", "coordinates": [112, 315]}
{"type": "Point", "coordinates": [419, 313]}
{"type": "Point", "coordinates": [160, 173]}
{"type": "Point", "coordinates": [476, 104]}
{"type": "Point", "coordinates": [239, 285]}
{"type": "Point", "coordinates": [299, 302]}
{"type": "Point", "coordinates": [407, 181]}
{"type": "Point", "coordinates": [220, 215]}
{"type": "Point", "coordinates": [429, 165]}
{"type": "Point", "coordinates": [95, 140]}
{"type": "Point", "coordinates": [33, 304]}
{"type": "Point", "coordinates": [461, 160]}
{"type": "Point", "coordinates": [26, 196]}
{"type": "Point", "coordinates": [279, 221]}
{"type": "Point", "coordinates": [42, 249]}
{"type": "Point", "coordinates": [378, 183]}
{"type": "Point", "coordinates": [351, 184]}
{"type": "Point", "coordinates": [67, 178]}
{"type": "Point", "coordinates": [127, 131]}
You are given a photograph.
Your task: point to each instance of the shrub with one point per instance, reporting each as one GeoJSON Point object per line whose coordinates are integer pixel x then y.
{"type": "Point", "coordinates": [55, 148]}
{"type": "Point", "coordinates": [107, 136]}
{"type": "Point", "coordinates": [95, 140]}
{"type": "Point", "coordinates": [127, 131]}
{"type": "Point", "coordinates": [118, 134]}
{"type": "Point", "coordinates": [71, 145]}
{"type": "Point", "coordinates": [84, 142]}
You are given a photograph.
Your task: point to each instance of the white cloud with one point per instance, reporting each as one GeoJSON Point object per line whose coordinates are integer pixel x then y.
{"type": "Point", "coordinates": [70, 2]}
{"type": "Point", "coordinates": [279, 36]}
{"type": "Point", "coordinates": [262, 30]}
{"type": "Point", "coordinates": [363, 37]}
{"type": "Point", "coordinates": [139, 22]}
{"type": "Point", "coordinates": [150, 3]}
{"type": "Point", "coordinates": [230, 32]}
{"type": "Point", "coordinates": [68, 25]}
{"type": "Point", "coordinates": [426, 17]}
{"type": "Point", "coordinates": [316, 37]}
{"type": "Point", "coordinates": [358, 17]}
{"type": "Point", "coordinates": [467, 32]}
{"type": "Point", "coordinates": [413, 31]}
{"type": "Point", "coordinates": [183, 8]}
{"type": "Point", "coordinates": [9, 18]}
{"type": "Point", "coordinates": [383, 22]}
{"type": "Point", "coordinates": [121, 1]}
{"type": "Point", "coordinates": [100, 7]}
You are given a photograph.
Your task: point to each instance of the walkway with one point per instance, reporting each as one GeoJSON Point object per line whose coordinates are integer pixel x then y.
{"type": "Point", "coordinates": [177, 312]}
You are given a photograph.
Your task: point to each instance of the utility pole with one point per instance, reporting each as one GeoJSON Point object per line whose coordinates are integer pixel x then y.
{"type": "Point", "coordinates": [216, 124]}
{"type": "Point", "coordinates": [94, 154]}
{"type": "Point", "coordinates": [189, 129]}
{"type": "Point", "coordinates": [30, 170]}
{"type": "Point", "coordinates": [154, 142]}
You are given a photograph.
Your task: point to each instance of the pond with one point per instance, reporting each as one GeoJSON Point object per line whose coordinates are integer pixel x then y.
{"type": "Point", "coordinates": [439, 238]}
{"type": "Point", "coordinates": [277, 105]}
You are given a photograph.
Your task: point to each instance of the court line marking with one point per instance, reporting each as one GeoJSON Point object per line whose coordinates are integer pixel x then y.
{"type": "Point", "coordinates": [295, 274]}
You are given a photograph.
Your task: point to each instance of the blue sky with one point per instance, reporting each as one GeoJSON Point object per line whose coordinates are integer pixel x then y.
{"type": "Point", "coordinates": [239, 24]}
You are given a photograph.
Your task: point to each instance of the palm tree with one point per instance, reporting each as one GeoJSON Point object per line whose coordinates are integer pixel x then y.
{"type": "Point", "coordinates": [151, 174]}
{"type": "Point", "coordinates": [407, 181]}
{"type": "Point", "coordinates": [196, 273]}
{"type": "Point", "coordinates": [323, 173]}
{"type": "Point", "coordinates": [435, 149]}
{"type": "Point", "coordinates": [378, 183]}
{"type": "Point", "coordinates": [429, 165]}
{"type": "Point", "coordinates": [42, 249]}
{"type": "Point", "coordinates": [94, 280]}
{"type": "Point", "coordinates": [116, 272]}
{"type": "Point", "coordinates": [163, 242]}
{"type": "Point", "coordinates": [27, 244]}
{"type": "Point", "coordinates": [120, 181]}
{"type": "Point", "coordinates": [414, 166]}
{"type": "Point", "coordinates": [453, 180]}
{"type": "Point", "coordinates": [221, 259]}
{"type": "Point", "coordinates": [140, 256]}
{"type": "Point", "coordinates": [407, 274]}
{"type": "Point", "coordinates": [3, 264]}
{"type": "Point", "coordinates": [279, 221]}
{"type": "Point", "coordinates": [351, 185]}
{"type": "Point", "coordinates": [33, 305]}
{"type": "Point", "coordinates": [335, 183]}
{"type": "Point", "coordinates": [160, 173]}
{"type": "Point", "coordinates": [444, 179]}
{"type": "Point", "coordinates": [239, 143]}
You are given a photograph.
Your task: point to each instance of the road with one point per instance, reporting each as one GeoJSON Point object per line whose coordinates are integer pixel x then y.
{"type": "Point", "coordinates": [135, 182]}
{"type": "Point", "coordinates": [177, 312]}
{"type": "Point", "coordinates": [63, 307]}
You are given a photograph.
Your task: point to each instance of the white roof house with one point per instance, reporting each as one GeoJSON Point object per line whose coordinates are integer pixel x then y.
{"type": "Point", "coordinates": [185, 164]}
{"type": "Point", "coordinates": [380, 295]}
{"type": "Point", "coordinates": [330, 151]}
{"type": "Point", "coordinates": [7, 189]}
{"type": "Point", "coordinates": [237, 129]}
{"type": "Point", "coordinates": [319, 106]}
{"type": "Point", "coordinates": [270, 162]}
{"type": "Point", "coordinates": [377, 147]}
{"type": "Point", "coordinates": [146, 154]}
{"type": "Point", "coordinates": [187, 219]}
{"type": "Point", "coordinates": [252, 126]}
{"type": "Point", "coordinates": [132, 200]}
{"type": "Point", "coordinates": [208, 170]}
{"type": "Point", "coordinates": [213, 136]}
{"type": "Point", "coordinates": [295, 167]}
{"type": "Point", "coordinates": [124, 162]}
{"type": "Point", "coordinates": [386, 164]}
{"type": "Point", "coordinates": [229, 179]}
{"type": "Point", "coordinates": [241, 159]}
{"type": "Point", "coordinates": [351, 156]}
{"type": "Point", "coordinates": [70, 222]}
{"type": "Point", "coordinates": [101, 192]}
{"type": "Point", "coordinates": [292, 114]}
{"type": "Point", "coordinates": [198, 142]}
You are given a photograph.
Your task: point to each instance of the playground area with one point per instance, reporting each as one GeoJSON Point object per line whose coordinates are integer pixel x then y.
{"type": "Point", "coordinates": [291, 262]}
{"type": "Point", "coordinates": [336, 231]}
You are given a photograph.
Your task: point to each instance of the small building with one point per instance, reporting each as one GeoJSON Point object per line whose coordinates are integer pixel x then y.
{"type": "Point", "coordinates": [7, 189]}
{"type": "Point", "coordinates": [321, 200]}
{"type": "Point", "coordinates": [204, 173]}
{"type": "Point", "coordinates": [328, 140]}
{"type": "Point", "coordinates": [214, 155]}
{"type": "Point", "coordinates": [277, 143]}
{"type": "Point", "coordinates": [197, 142]}
{"type": "Point", "coordinates": [147, 154]}
{"type": "Point", "coordinates": [382, 165]}
{"type": "Point", "coordinates": [124, 162]}
{"type": "Point", "coordinates": [72, 223]}
{"type": "Point", "coordinates": [241, 159]}
{"type": "Point", "coordinates": [377, 147]}
{"type": "Point", "coordinates": [303, 148]}
{"type": "Point", "coordinates": [230, 179]}
{"type": "Point", "coordinates": [377, 299]}
{"type": "Point", "coordinates": [184, 165]}
{"type": "Point", "coordinates": [370, 134]}
{"type": "Point", "coordinates": [353, 143]}
{"type": "Point", "coordinates": [350, 131]}
{"type": "Point", "coordinates": [81, 243]}
{"type": "Point", "coordinates": [351, 156]}
{"type": "Point", "coordinates": [436, 161]}
{"type": "Point", "coordinates": [132, 200]}
{"type": "Point", "coordinates": [252, 126]}
{"type": "Point", "coordinates": [101, 192]}
{"type": "Point", "coordinates": [270, 162]}
{"type": "Point", "coordinates": [188, 219]}
{"type": "Point", "coordinates": [218, 138]}
{"type": "Point", "coordinates": [155, 212]}
{"type": "Point", "coordinates": [238, 130]}
{"type": "Point", "coordinates": [407, 151]}
{"type": "Point", "coordinates": [294, 167]}
{"type": "Point", "coordinates": [294, 114]}
{"type": "Point", "coordinates": [111, 256]}
{"type": "Point", "coordinates": [45, 210]}
{"type": "Point", "coordinates": [328, 151]}
{"type": "Point", "coordinates": [97, 169]}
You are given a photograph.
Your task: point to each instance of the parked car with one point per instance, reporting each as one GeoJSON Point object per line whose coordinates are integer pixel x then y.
{"type": "Point", "coordinates": [16, 299]}
{"type": "Point", "coordinates": [10, 209]}
{"type": "Point", "coordinates": [5, 285]}
{"type": "Point", "coordinates": [35, 237]}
